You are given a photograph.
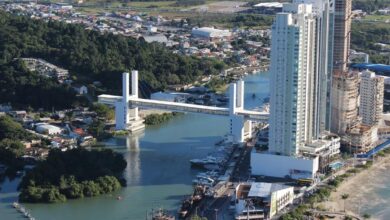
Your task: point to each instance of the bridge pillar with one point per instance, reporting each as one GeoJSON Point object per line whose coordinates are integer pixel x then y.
{"type": "Point", "coordinates": [127, 118]}
{"type": "Point", "coordinates": [232, 98]}
{"type": "Point", "coordinates": [240, 94]}
{"type": "Point", "coordinates": [121, 107]}
{"type": "Point", "coordinates": [240, 128]}
{"type": "Point", "coordinates": [134, 93]}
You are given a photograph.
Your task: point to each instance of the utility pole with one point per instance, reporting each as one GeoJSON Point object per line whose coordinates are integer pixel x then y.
{"type": "Point", "coordinates": [247, 211]}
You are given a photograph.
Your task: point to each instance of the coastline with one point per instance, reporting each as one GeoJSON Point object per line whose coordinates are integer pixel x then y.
{"type": "Point", "coordinates": [360, 188]}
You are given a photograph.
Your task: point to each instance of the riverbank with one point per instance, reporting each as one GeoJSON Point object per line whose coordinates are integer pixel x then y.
{"type": "Point", "coordinates": [360, 189]}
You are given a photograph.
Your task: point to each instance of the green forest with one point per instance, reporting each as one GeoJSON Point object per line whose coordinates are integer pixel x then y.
{"type": "Point", "coordinates": [365, 35]}
{"type": "Point", "coordinates": [90, 55]}
{"type": "Point", "coordinates": [73, 174]}
{"type": "Point", "coordinates": [11, 148]}
{"type": "Point", "coordinates": [24, 88]}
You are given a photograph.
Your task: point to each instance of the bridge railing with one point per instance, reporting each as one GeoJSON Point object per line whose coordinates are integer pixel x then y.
{"type": "Point", "coordinates": [179, 107]}
{"type": "Point", "coordinates": [109, 99]}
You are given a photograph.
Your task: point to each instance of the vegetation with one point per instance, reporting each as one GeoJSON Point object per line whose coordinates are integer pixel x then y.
{"type": "Point", "coordinates": [344, 197]}
{"type": "Point", "coordinates": [366, 216]}
{"type": "Point", "coordinates": [13, 130]}
{"type": "Point", "coordinates": [23, 88]}
{"type": "Point", "coordinates": [186, 3]}
{"type": "Point", "coordinates": [97, 130]}
{"type": "Point", "coordinates": [10, 153]}
{"type": "Point", "coordinates": [217, 84]}
{"type": "Point", "coordinates": [370, 5]}
{"type": "Point", "coordinates": [73, 174]}
{"type": "Point", "coordinates": [232, 20]}
{"type": "Point", "coordinates": [364, 36]}
{"type": "Point", "coordinates": [103, 111]}
{"type": "Point", "coordinates": [296, 214]}
{"type": "Point", "coordinates": [90, 55]}
{"type": "Point", "coordinates": [11, 148]}
{"type": "Point", "coordinates": [155, 119]}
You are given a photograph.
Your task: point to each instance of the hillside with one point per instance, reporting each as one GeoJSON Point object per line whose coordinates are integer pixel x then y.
{"type": "Point", "coordinates": [91, 56]}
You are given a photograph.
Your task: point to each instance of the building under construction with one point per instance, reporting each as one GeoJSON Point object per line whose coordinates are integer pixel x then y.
{"type": "Point", "coordinates": [345, 97]}
{"type": "Point", "coordinates": [345, 120]}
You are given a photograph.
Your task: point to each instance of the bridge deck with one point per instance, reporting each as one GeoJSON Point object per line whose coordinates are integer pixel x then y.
{"type": "Point", "coordinates": [182, 107]}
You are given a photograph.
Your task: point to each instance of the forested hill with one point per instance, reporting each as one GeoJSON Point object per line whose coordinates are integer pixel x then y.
{"type": "Point", "coordinates": [92, 56]}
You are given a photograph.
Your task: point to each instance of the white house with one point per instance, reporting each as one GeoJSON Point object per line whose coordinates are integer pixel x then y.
{"type": "Point", "coordinates": [44, 128]}
{"type": "Point", "coordinates": [80, 89]}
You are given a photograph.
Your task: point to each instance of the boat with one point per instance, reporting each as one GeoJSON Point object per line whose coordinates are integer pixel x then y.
{"type": "Point", "coordinates": [203, 181]}
{"type": "Point", "coordinates": [160, 214]}
{"type": "Point", "coordinates": [205, 161]}
{"type": "Point", "coordinates": [214, 167]}
{"type": "Point", "coordinates": [185, 208]}
{"type": "Point", "coordinates": [209, 174]}
{"type": "Point", "coordinates": [253, 95]}
{"type": "Point", "coordinates": [16, 205]}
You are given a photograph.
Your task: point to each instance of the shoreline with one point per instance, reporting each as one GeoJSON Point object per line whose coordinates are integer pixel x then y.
{"type": "Point", "coordinates": [359, 187]}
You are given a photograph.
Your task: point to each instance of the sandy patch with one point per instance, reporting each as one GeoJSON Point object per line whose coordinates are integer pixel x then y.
{"type": "Point", "coordinates": [361, 189]}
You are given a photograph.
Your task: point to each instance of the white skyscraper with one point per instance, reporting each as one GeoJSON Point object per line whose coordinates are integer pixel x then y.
{"type": "Point", "coordinates": [371, 98]}
{"type": "Point", "coordinates": [322, 10]}
{"type": "Point", "coordinates": [299, 144]}
{"type": "Point", "coordinates": [292, 82]}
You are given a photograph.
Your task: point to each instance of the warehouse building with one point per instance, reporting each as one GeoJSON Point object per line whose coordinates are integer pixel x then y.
{"type": "Point", "coordinates": [210, 33]}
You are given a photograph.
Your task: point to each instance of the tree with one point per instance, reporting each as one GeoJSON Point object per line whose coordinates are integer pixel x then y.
{"type": "Point", "coordinates": [91, 188]}
{"type": "Point", "coordinates": [344, 197]}
{"type": "Point", "coordinates": [12, 129]}
{"type": "Point", "coordinates": [366, 216]}
{"type": "Point", "coordinates": [10, 153]}
{"type": "Point", "coordinates": [103, 111]}
{"type": "Point", "coordinates": [97, 129]}
{"type": "Point", "coordinates": [73, 174]}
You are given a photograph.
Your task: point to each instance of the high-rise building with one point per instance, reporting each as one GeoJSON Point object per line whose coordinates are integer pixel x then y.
{"type": "Point", "coordinates": [345, 98]}
{"type": "Point", "coordinates": [292, 72]}
{"type": "Point", "coordinates": [345, 118]}
{"type": "Point", "coordinates": [323, 11]}
{"type": "Point", "coordinates": [342, 34]}
{"type": "Point", "coordinates": [300, 81]}
{"type": "Point", "coordinates": [345, 92]}
{"type": "Point", "coordinates": [371, 98]}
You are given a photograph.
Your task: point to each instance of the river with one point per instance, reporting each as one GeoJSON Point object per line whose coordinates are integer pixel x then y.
{"type": "Point", "coordinates": [158, 172]}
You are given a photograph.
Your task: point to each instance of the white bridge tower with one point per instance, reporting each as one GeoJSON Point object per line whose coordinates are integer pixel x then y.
{"type": "Point", "coordinates": [127, 118]}
{"type": "Point", "coordinates": [240, 128]}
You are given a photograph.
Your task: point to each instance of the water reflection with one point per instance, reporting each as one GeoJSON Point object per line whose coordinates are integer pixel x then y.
{"type": "Point", "coordinates": [132, 156]}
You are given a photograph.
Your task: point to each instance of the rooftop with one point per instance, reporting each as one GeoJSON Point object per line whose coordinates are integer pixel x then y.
{"type": "Point", "coordinates": [270, 5]}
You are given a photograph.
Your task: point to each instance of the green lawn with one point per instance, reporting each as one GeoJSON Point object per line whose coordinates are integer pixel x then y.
{"type": "Point", "coordinates": [376, 18]}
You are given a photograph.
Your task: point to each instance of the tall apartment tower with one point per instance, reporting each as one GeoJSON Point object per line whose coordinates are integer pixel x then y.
{"type": "Point", "coordinates": [371, 98]}
{"type": "Point", "coordinates": [292, 72]}
{"type": "Point", "coordinates": [322, 11]}
{"type": "Point", "coordinates": [342, 34]}
{"type": "Point", "coordinates": [345, 84]}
